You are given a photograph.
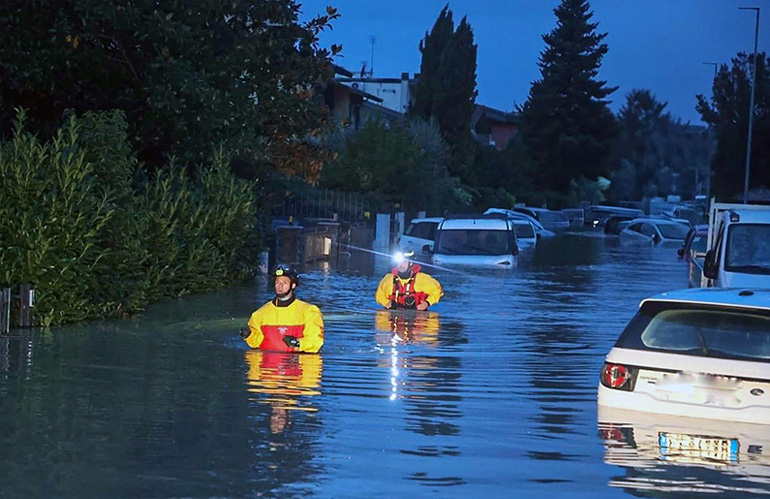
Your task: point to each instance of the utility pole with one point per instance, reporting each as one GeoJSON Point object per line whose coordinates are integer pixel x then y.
{"type": "Point", "coordinates": [751, 105]}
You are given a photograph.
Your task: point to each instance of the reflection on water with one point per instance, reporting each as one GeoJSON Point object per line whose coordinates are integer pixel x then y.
{"type": "Point", "coordinates": [492, 393]}
{"type": "Point", "coordinates": [685, 456]}
{"type": "Point", "coordinates": [282, 380]}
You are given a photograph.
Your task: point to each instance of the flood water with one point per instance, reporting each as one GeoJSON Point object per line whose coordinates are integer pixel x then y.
{"type": "Point", "coordinates": [490, 394]}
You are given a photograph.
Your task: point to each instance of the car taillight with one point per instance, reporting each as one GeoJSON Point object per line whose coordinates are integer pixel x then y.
{"type": "Point", "coordinates": [618, 376]}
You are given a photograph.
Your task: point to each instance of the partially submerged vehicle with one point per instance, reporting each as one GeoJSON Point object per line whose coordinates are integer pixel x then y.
{"type": "Point", "coordinates": [693, 252]}
{"type": "Point", "coordinates": [655, 231]}
{"type": "Point", "coordinates": [420, 233]}
{"type": "Point", "coordinates": [702, 353]}
{"type": "Point", "coordinates": [525, 234]}
{"type": "Point", "coordinates": [540, 231]}
{"type": "Point", "coordinates": [738, 247]}
{"type": "Point", "coordinates": [596, 215]}
{"type": "Point", "coordinates": [552, 220]}
{"type": "Point", "coordinates": [476, 240]}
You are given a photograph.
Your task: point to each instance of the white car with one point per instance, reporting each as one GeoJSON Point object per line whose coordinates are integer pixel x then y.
{"type": "Point", "coordinates": [487, 240]}
{"type": "Point", "coordinates": [655, 231]}
{"type": "Point", "coordinates": [525, 234]}
{"type": "Point", "coordinates": [419, 233]}
{"type": "Point", "coordinates": [552, 220]}
{"type": "Point", "coordinates": [515, 215]}
{"type": "Point", "coordinates": [702, 353]}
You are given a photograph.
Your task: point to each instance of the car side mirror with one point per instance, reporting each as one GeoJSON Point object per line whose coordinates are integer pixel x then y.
{"type": "Point", "coordinates": [655, 238]}
{"type": "Point", "coordinates": [426, 249]}
{"type": "Point", "coordinates": [537, 236]}
{"type": "Point", "coordinates": [680, 252]}
{"type": "Point", "coordinates": [710, 269]}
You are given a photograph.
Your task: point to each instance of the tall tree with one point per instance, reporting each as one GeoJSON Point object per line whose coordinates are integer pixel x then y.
{"type": "Point", "coordinates": [727, 113]}
{"type": "Point", "coordinates": [566, 120]}
{"type": "Point", "coordinates": [431, 47]}
{"type": "Point", "coordinates": [446, 90]}
{"type": "Point", "coordinates": [656, 154]}
{"type": "Point", "coordinates": [189, 75]}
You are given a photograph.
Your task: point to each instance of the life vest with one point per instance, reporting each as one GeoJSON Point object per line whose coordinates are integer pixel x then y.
{"type": "Point", "coordinates": [403, 291]}
{"type": "Point", "coordinates": [273, 337]}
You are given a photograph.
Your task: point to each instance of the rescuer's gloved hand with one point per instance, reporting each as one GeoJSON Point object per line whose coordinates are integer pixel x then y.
{"type": "Point", "coordinates": [245, 332]}
{"type": "Point", "coordinates": [291, 341]}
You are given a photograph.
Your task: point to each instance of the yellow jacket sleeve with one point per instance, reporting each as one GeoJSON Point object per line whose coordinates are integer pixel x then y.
{"type": "Point", "coordinates": [255, 323]}
{"type": "Point", "coordinates": [313, 334]}
{"type": "Point", "coordinates": [429, 286]}
{"type": "Point", "coordinates": [384, 289]}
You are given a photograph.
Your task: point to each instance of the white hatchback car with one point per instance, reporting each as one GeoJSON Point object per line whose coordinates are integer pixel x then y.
{"type": "Point", "coordinates": [419, 233]}
{"type": "Point", "coordinates": [702, 353]}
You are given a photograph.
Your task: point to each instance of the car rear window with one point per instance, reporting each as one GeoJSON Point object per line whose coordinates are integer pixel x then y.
{"type": "Point", "coordinates": [704, 332]}
{"type": "Point", "coordinates": [423, 230]}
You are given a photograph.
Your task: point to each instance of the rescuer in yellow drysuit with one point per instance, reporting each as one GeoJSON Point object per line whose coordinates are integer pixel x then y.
{"type": "Point", "coordinates": [285, 323]}
{"type": "Point", "coordinates": [406, 287]}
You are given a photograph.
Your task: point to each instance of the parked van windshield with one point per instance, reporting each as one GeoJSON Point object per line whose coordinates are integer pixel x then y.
{"type": "Point", "coordinates": [748, 248]}
{"type": "Point", "coordinates": [473, 242]}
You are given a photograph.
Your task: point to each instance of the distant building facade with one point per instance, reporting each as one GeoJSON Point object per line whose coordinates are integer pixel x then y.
{"type": "Point", "coordinates": [353, 101]}
{"type": "Point", "coordinates": [493, 127]}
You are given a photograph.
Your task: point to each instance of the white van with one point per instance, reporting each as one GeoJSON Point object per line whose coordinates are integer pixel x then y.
{"type": "Point", "coordinates": [739, 247]}
{"type": "Point", "coordinates": [476, 240]}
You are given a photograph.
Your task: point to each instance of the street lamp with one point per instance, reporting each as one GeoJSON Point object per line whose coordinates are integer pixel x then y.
{"type": "Point", "coordinates": [751, 106]}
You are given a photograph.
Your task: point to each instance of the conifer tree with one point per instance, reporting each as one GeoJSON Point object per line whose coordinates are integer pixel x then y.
{"type": "Point", "coordinates": [446, 89]}
{"type": "Point", "coordinates": [566, 120]}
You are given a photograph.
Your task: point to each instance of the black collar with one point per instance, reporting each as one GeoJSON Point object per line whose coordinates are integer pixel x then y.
{"type": "Point", "coordinates": [284, 303]}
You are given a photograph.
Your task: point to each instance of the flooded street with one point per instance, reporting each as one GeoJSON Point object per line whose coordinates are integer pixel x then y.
{"type": "Point", "coordinates": [490, 394]}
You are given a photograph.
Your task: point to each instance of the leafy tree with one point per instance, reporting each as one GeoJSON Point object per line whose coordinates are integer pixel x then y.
{"type": "Point", "coordinates": [446, 90]}
{"type": "Point", "coordinates": [566, 120]}
{"type": "Point", "coordinates": [655, 154]}
{"type": "Point", "coordinates": [403, 164]}
{"type": "Point", "coordinates": [727, 113]}
{"type": "Point", "coordinates": [189, 75]}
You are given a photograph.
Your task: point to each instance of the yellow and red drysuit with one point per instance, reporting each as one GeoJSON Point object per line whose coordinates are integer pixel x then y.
{"type": "Point", "coordinates": [275, 319]}
{"type": "Point", "coordinates": [420, 286]}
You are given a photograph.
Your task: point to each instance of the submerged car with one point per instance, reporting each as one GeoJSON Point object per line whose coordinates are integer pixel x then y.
{"type": "Point", "coordinates": [525, 234]}
{"type": "Point", "coordinates": [693, 252]}
{"type": "Point", "coordinates": [654, 231]}
{"type": "Point", "coordinates": [540, 231]}
{"type": "Point", "coordinates": [476, 240]}
{"type": "Point", "coordinates": [702, 353]}
{"type": "Point", "coordinates": [552, 220]}
{"type": "Point", "coordinates": [419, 233]}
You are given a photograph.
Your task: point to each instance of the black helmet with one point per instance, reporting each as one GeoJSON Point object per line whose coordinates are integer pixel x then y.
{"type": "Point", "coordinates": [282, 269]}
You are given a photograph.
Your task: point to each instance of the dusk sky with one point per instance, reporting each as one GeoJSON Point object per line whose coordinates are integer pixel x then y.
{"type": "Point", "coordinates": [658, 45]}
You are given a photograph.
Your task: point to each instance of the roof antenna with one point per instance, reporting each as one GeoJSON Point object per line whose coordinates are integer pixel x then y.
{"type": "Point", "coordinates": [372, 40]}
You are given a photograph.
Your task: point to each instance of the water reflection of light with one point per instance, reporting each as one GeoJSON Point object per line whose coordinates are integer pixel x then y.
{"type": "Point", "coordinates": [394, 367]}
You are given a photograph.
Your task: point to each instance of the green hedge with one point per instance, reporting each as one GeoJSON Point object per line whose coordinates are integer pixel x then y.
{"type": "Point", "coordinates": [97, 237]}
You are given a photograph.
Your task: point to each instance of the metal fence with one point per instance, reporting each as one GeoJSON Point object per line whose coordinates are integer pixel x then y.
{"type": "Point", "coordinates": [325, 203]}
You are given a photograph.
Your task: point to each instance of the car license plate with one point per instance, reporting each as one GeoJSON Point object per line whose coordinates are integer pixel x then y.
{"type": "Point", "coordinates": [695, 448]}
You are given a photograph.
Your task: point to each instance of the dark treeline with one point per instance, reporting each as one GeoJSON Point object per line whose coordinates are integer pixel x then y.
{"type": "Point", "coordinates": [125, 128]}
